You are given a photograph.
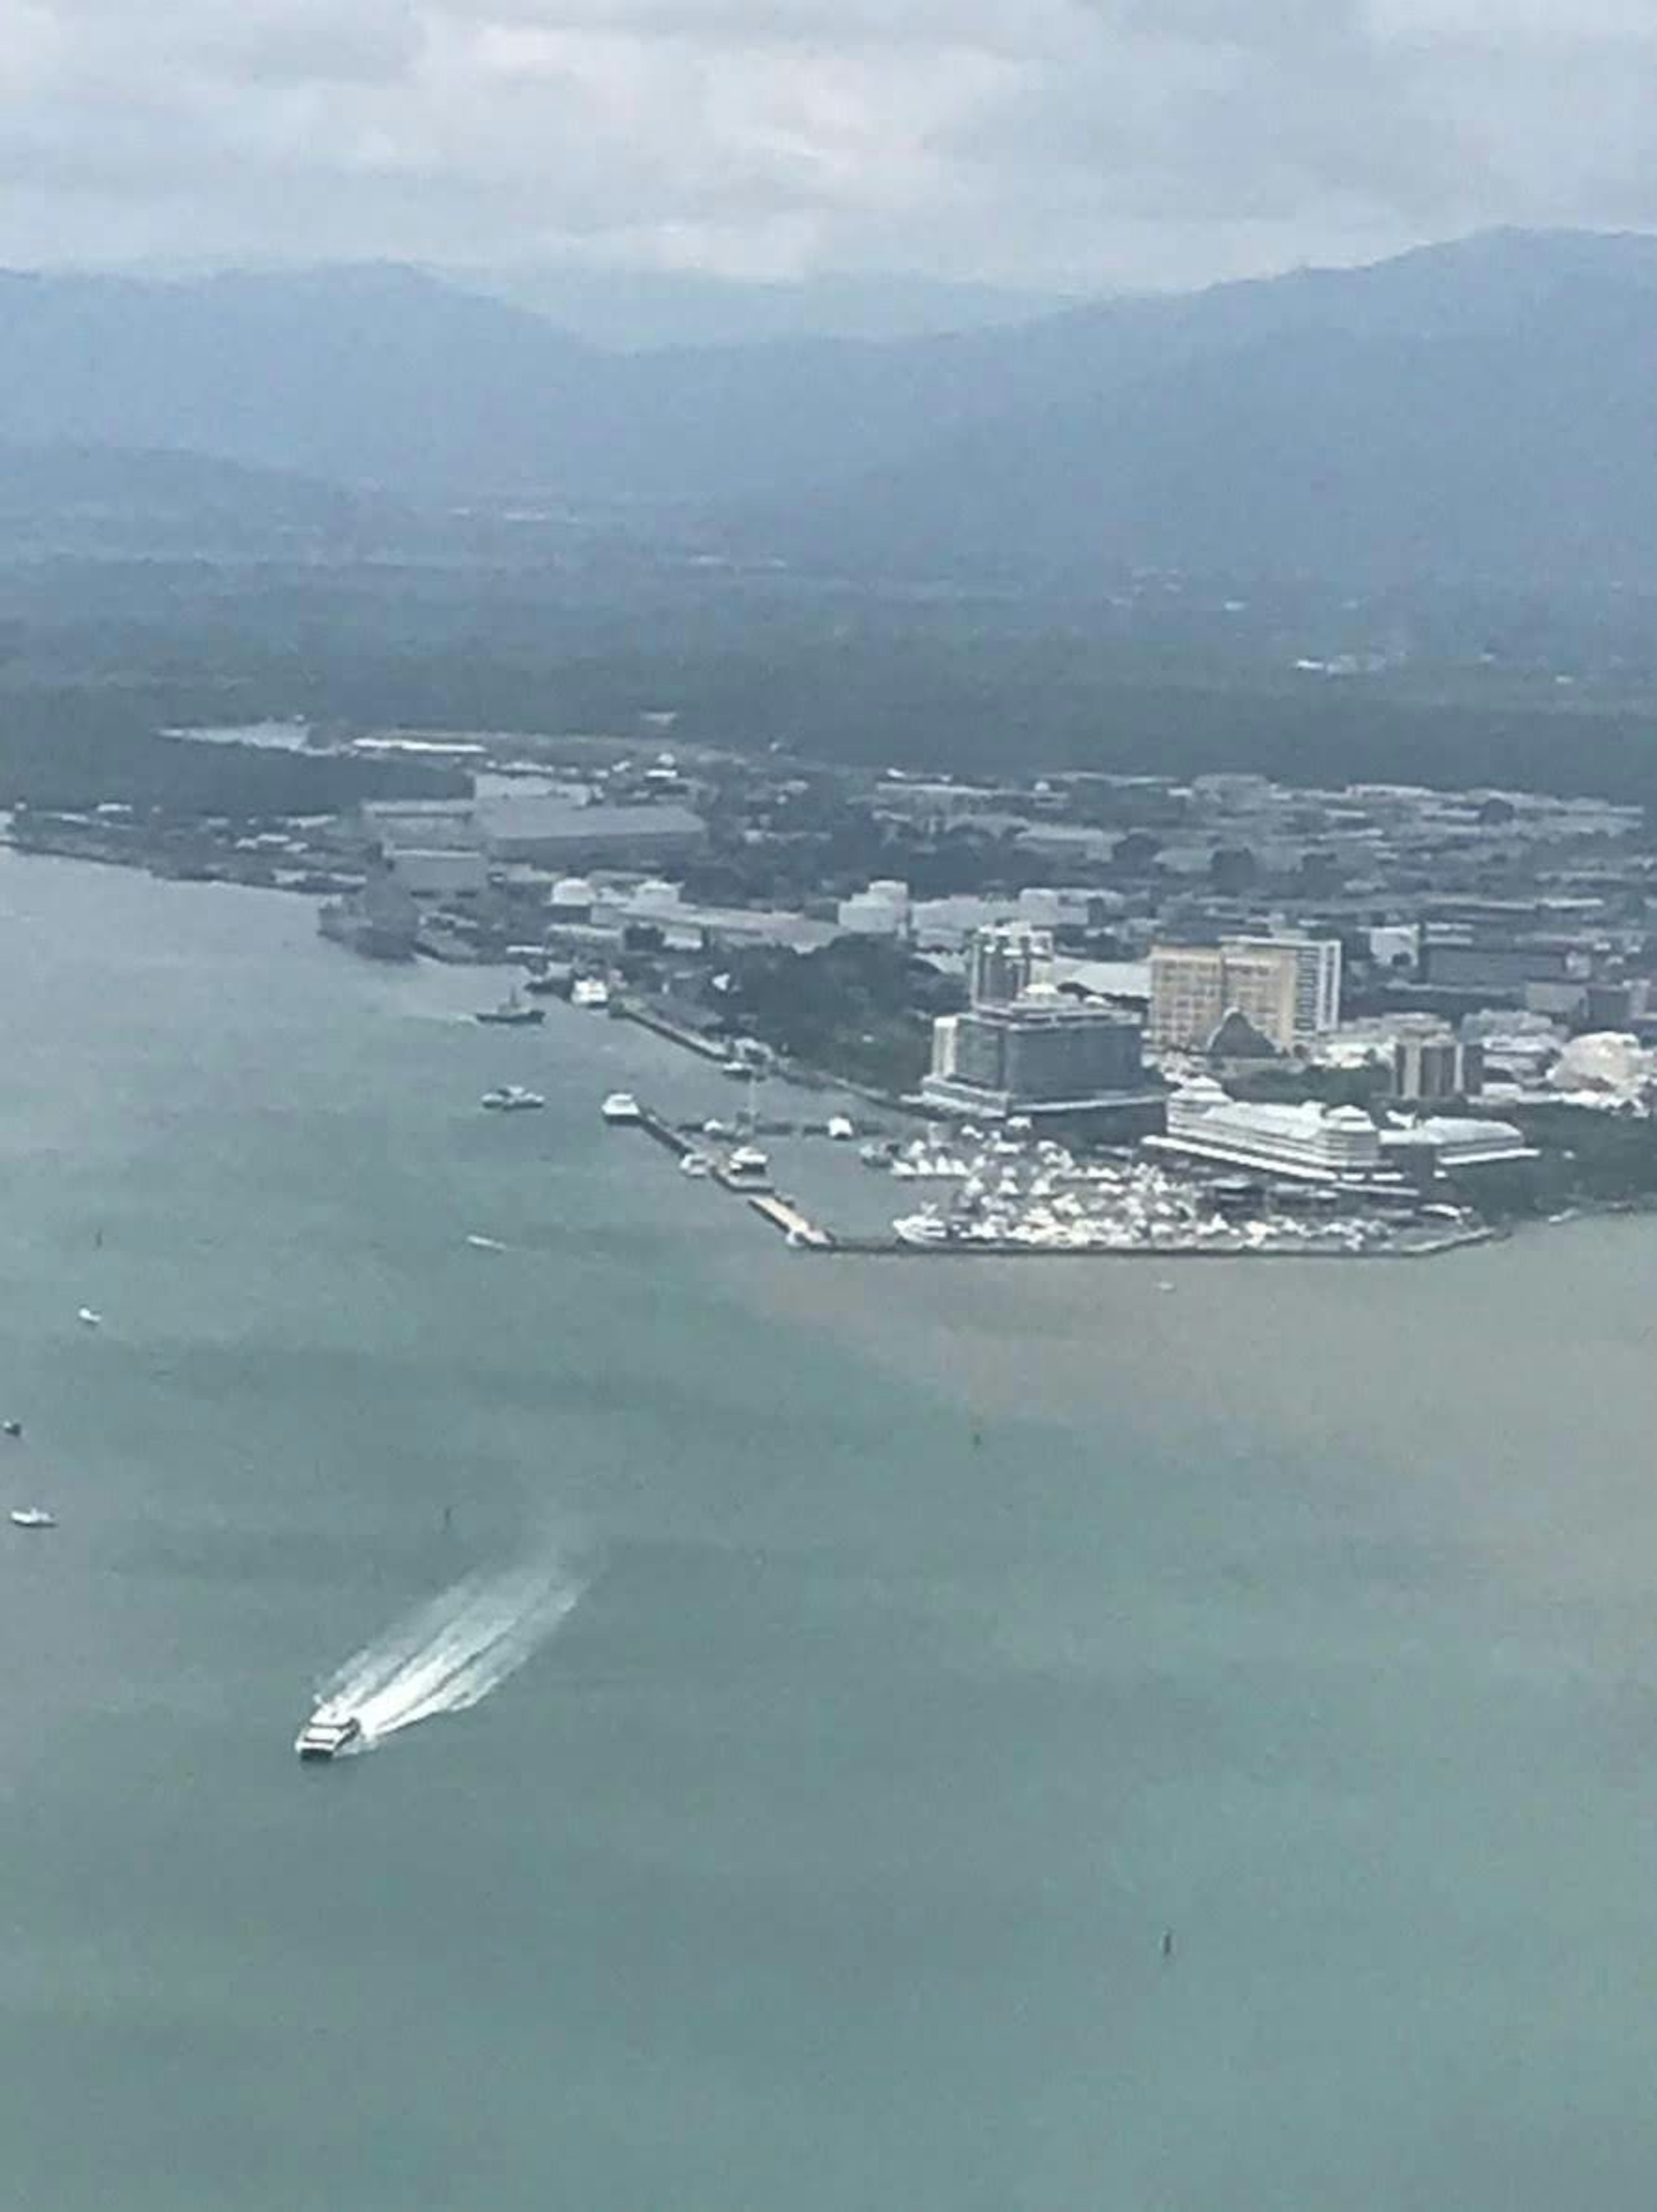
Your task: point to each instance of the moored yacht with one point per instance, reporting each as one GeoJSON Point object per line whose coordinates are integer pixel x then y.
{"type": "Point", "coordinates": [622, 1107]}
{"type": "Point", "coordinates": [748, 1169]}
{"type": "Point", "coordinates": [590, 992]}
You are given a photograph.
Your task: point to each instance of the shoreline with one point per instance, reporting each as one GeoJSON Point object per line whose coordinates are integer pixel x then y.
{"type": "Point", "coordinates": [806, 1235]}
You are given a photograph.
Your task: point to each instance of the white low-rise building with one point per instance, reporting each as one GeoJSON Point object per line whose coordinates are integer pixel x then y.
{"type": "Point", "coordinates": [439, 872]}
{"type": "Point", "coordinates": [1607, 1062]}
{"type": "Point", "coordinates": [880, 911]}
{"type": "Point", "coordinates": [1308, 1142]}
{"type": "Point", "coordinates": [1453, 1142]}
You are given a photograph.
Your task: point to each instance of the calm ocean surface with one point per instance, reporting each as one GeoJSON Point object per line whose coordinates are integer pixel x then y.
{"type": "Point", "coordinates": [820, 1859]}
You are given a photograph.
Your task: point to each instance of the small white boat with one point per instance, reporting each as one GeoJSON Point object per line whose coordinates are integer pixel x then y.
{"type": "Point", "coordinates": [622, 1106]}
{"type": "Point", "coordinates": [590, 992]}
{"type": "Point", "coordinates": [328, 1739]}
{"type": "Point", "coordinates": [32, 1516]}
{"type": "Point", "coordinates": [920, 1229]}
{"type": "Point", "coordinates": [485, 1243]}
{"type": "Point", "coordinates": [841, 1128]}
{"type": "Point", "coordinates": [695, 1163]}
{"type": "Point", "coordinates": [87, 1319]}
{"type": "Point", "coordinates": [512, 1098]}
{"type": "Point", "coordinates": [748, 1169]}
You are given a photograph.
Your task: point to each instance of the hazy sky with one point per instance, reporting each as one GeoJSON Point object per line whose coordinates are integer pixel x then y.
{"type": "Point", "coordinates": [1042, 142]}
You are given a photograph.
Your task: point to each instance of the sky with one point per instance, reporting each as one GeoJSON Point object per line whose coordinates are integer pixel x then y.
{"type": "Point", "coordinates": [1081, 144]}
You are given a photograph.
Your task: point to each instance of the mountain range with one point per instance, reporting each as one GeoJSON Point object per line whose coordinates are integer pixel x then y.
{"type": "Point", "coordinates": [1480, 410]}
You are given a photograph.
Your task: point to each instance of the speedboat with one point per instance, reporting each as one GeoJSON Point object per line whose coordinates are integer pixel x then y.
{"type": "Point", "coordinates": [32, 1516]}
{"type": "Point", "coordinates": [514, 1011]}
{"type": "Point", "coordinates": [622, 1106]}
{"type": "Point", "coordinates": [87, 1319]}
{"type": "Point", "coordinates": [511, 1099]}
{"type": "Point", "coordinates": [11, 1429]}
{"type": "Point", "coordinates": [328, 1739]}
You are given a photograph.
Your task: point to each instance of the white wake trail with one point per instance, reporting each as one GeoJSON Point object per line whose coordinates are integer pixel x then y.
{"type": "Point", "coordinates": [450, 1653]}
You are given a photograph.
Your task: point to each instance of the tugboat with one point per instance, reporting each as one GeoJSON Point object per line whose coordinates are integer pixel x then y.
{"type": "Point", "coordinates": [328, 1739]}
{"type": "Point", "coordinates": [514, 1011]}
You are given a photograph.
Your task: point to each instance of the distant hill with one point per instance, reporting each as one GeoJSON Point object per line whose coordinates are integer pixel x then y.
{"type": "Point", "coordinates": [640, 310]}
{"type": "Point", "coordinates": [1483, 409]}
{"type": "Point", "coordinates": [387, 377]}
{"type": "Point", "coordinates": [39, 483]}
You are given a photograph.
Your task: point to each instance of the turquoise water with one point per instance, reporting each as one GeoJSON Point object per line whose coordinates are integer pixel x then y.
{"type": "Point", "coordinates": [821, 1857]}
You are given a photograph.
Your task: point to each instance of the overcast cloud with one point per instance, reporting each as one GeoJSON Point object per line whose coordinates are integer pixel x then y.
{"type": "Point", "coordinates": [1080, 142]}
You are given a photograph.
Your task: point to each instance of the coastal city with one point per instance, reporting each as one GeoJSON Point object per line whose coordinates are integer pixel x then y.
{"type": "Point", "coordinates": [1080, 1014]}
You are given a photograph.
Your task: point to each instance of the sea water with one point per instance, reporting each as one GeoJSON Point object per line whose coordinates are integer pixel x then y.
{"type": "Point", "coordinates": [907, 1650]}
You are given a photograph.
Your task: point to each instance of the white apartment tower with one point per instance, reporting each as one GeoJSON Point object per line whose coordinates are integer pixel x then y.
{"type": "Point", "coordinates": [1287, 987]}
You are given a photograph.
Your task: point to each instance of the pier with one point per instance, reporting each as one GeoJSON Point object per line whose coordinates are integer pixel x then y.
{"type": "Point", "coordinates": [632, 1009]}
{"type": "Point", "coordinates": [782, 1214]}
{"type": "Point", "coordinates": [772, 1206]}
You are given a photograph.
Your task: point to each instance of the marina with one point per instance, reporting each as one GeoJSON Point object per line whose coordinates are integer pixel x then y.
{"type": "Point", "coordinates": [1015, 1198]}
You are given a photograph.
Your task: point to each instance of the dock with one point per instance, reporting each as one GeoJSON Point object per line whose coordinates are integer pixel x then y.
{"type": "Point", "coordinates": [803, 1234]}
{"type": "Point", "coordinates": [664, 1134]}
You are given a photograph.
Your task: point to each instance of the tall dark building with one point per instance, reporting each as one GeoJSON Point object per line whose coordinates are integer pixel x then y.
{"type": "Point", "coordinates": [1041, 1051]}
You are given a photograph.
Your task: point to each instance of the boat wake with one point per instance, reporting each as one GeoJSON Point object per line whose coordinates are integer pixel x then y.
{"type": "Point", "coordinates": [450, 1654]}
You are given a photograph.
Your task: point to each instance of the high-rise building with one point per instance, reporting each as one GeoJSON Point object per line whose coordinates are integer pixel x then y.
{"type": "Point", "coordinates": [1289, 987]}
{"type": "Point", "coordinates": [1043, 1051]}
{"type": "Point", "coordinates": [1433, 1067]}
{"type": "Point", "coordinates": [1007, 960]}
{"type": "Point", "coordinates": [1022, 1046]}
{"type": "Point", "coordinates": [1317, 979]}
{"type": "Point", "coordinates": [1187, 994]}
